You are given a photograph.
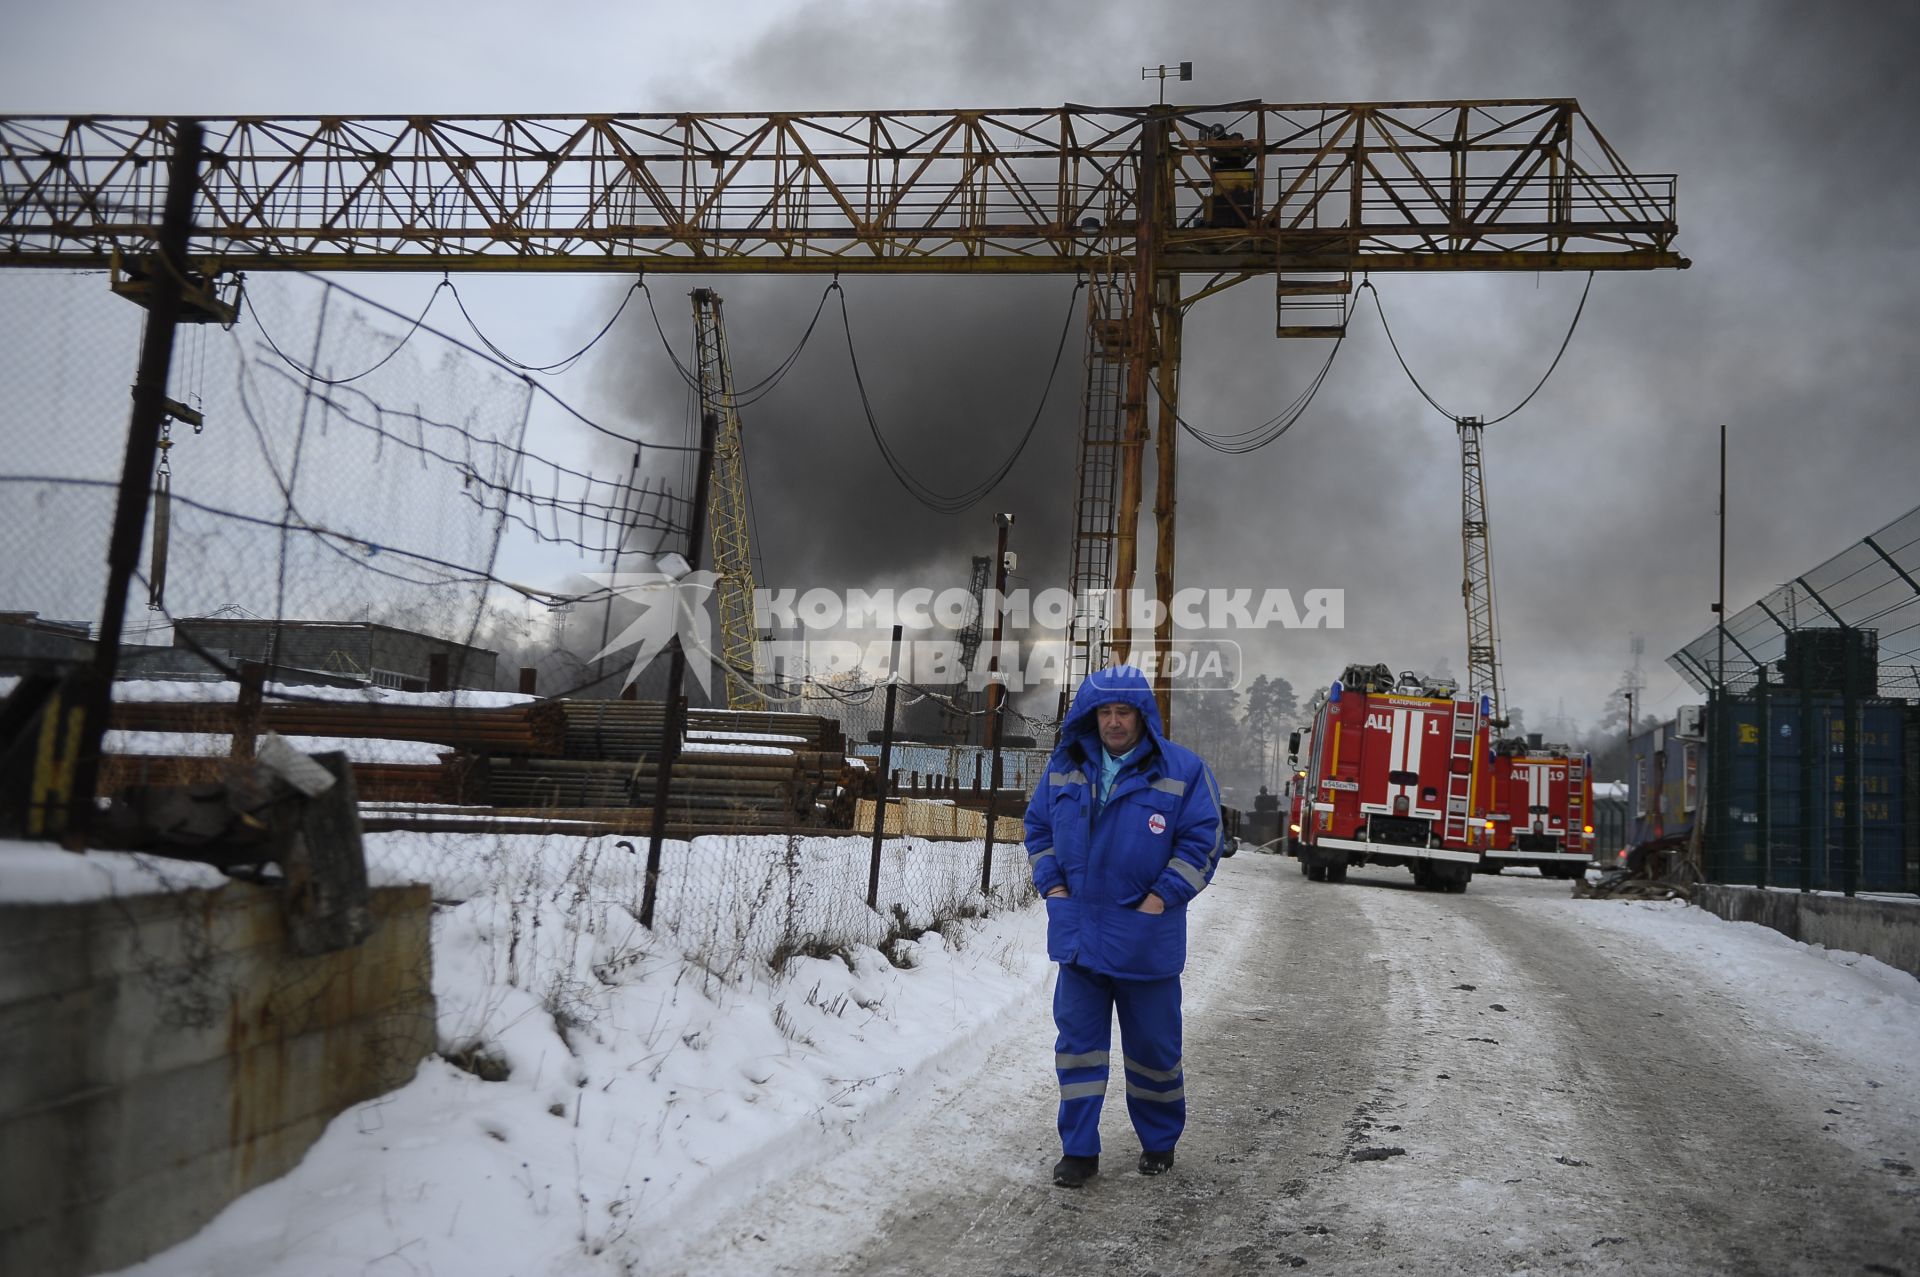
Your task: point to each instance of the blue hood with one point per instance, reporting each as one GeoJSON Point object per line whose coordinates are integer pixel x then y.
{"type": "Point", "coordinates": [1124, 684]}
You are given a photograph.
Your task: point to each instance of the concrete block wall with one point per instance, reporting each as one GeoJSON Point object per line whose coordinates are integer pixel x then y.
{"type": "Point", "coordinates": [161, 1055]}
{"type": "Point", "coordinates": [1885, 929]}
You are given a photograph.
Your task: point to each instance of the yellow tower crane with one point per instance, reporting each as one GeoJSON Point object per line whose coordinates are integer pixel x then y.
{"type": "Point", "coordinates": [727, 504]}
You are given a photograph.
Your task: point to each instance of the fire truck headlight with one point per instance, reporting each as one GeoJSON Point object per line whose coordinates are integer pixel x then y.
{"type": "Point", "coordinates": [1588, 831]}
{"type": "Point", "coordinates": [1294, 828]}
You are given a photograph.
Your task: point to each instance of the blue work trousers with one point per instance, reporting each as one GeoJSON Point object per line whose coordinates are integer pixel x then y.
{"type": "Point", "coordinates": [1083, 1006]}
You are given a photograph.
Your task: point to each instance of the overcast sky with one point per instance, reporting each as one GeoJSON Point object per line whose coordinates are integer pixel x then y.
{"type": "Point", "coordinates": [1788, 125]}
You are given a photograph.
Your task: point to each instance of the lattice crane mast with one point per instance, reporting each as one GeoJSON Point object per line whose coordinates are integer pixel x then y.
{"type": "Point", "coordinates": [1135, 198]}
{"type": "Point", "coordinates": [1476, 582]}
{"type": "Point", "coordinates": [727, 503]}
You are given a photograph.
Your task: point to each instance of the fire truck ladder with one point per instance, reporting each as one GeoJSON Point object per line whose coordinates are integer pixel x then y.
{"type": "Point", "coordinates": [727, 494]}
{"type": "Point", "coordinates": [1476, 585]}
{"type": "Point", "coordinates": [1102, 422]}
{"type": "Point", "coordinates": [1466, 721]}
{"type": "Point", "coordinates": [1576, 804]}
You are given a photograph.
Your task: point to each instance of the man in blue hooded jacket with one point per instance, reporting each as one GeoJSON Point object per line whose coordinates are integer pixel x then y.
{"type": "Point", "coordinates": [1123, 831]}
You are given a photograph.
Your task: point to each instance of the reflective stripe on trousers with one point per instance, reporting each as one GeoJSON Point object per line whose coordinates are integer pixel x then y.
{"type": "Point", "coordinates": [1084, 1004]}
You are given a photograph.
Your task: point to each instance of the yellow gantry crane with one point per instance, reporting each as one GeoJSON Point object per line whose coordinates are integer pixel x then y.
{"type": "Point", "coordinates": [727, 503]}
{"type": "Point", "coordinates": [1158, 206]}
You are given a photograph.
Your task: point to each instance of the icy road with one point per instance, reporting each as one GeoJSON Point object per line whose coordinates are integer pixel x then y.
{"type": "Point", "coordinates": [1384, 1080]}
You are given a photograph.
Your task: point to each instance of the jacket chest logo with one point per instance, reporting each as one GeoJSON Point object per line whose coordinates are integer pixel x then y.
{"type": "Point", "coordinates": [1156, 823]}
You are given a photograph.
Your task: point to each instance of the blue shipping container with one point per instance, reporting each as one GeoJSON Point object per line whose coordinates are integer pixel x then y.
{"type": "Point", "coordinates": [1668, 792]}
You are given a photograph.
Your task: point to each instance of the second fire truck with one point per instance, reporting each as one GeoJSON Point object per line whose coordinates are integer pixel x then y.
{"type": "Point", "coordinates": [1397, 772]}
{"type": "Point", "coordinates": [1542, 809]}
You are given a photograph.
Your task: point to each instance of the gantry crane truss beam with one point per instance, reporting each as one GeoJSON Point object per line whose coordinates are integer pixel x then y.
{"type": "Point", "coordinates": [1308, 193]}
{"type": "Point", "coordinates": [1493, 185]}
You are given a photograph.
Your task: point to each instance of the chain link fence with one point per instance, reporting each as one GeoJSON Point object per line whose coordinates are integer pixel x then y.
{"type": "Point", "coordinates": [346, 506]}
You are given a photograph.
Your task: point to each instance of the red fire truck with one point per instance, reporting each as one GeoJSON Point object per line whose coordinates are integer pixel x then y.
{"type": "Point", "coordinates": [1397, 773]}
{"type": "Point", "coordinates": [1542, 809]}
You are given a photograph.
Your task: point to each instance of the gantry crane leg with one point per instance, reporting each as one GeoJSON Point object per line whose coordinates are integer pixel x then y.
{"type": "Point", "coordinates": [1166, 307]}
{"type": "Point", "coordinates": [1148, 228]}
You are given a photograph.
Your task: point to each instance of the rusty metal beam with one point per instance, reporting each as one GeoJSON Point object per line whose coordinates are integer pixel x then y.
{"type": "Point", "coordinates": [1487, 185]}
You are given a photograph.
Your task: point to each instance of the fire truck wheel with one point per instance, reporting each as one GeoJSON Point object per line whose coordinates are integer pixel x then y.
{"type": "Point", "coordinates": [1306, 870]}
{"type": "Point", "coordinates": [1337, 872]}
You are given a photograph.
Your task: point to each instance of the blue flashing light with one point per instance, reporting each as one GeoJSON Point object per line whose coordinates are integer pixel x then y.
{"type": "Point", "coordinates": [1333, 692]}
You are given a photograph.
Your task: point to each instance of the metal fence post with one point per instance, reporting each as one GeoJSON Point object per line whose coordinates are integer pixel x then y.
{"type": "Point", "coordinates": [996, 702]}
{"type": "Point", "coordinates": [1852, 784]}
{"type": "Point", "coordinates": [1763, 789]}
{"type": "Point", "coordinates": [1714, 806]}
{"type": "Point", "coordinates": [676, 701]}
{"type": "Point", "coordinates": [881, 787]}
{"type": "Point", "coordinates": [997, 710]}
{"type": "Point", "coordinates": [1803, 678]}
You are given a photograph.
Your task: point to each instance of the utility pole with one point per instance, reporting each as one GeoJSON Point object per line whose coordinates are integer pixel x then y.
{"type": "Point", "coordinates": [94, 694]}
{"type": "Point", "coordinates": [996, 697]}
{"type": "Point", "coordinates": [676, 717]}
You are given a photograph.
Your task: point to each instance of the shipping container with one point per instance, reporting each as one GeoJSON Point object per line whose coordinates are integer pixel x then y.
{"type": "Point", "coordinates": [1788, 793]}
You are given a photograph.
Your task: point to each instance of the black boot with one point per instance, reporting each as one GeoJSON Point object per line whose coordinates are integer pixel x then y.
{"type": "Point", "coordinates": [1074, 1172]}
{"type": "Point", "coordinates": [1156, 1163]}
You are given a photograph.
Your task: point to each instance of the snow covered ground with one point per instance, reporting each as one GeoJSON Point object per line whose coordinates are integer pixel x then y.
{"type": "Point", "coordinates": [656, 1082]}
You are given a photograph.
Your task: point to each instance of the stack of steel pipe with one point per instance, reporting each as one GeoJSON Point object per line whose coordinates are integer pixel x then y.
{"type": "Point", "coordinates": [585, 822]}
{"type": "Point", "coordinates": [771, 783]}
{"type": "Point", "coordinates": [737, 770]}
{"type": "Point", "coordinates": [628, 729]}
{"type": "Point", "coordinates": [372, 782]}
{"type": "Point", "coordinates": [727, 759]}
{"type": "Point", "coordinates": [536, 727]}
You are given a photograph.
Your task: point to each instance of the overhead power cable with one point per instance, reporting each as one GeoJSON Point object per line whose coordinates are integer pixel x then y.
{"type": "Point", "coordinates": [421, 324]}
{"type": "Point", "coordinates": [1257, 437]}
{"type": "Point", "coordinates": [927, 495]}
{"type": "Point", "coordinates": [1452, 416]}
{"type": "Point", "coordinates": [760, 389]}
{"type": "Point", "coordinates": [558, 365]}
{"type": "Point", "coordinates": [246, 300]}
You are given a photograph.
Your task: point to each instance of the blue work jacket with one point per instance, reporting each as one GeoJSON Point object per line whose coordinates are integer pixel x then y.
{"type": "Point", "coordinates": [1158, 831]}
